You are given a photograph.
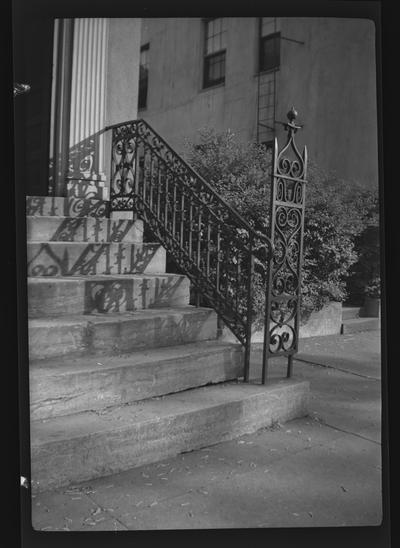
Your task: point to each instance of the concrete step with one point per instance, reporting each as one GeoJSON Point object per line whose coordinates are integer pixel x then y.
{"type": "Point", "coordinates": [350, 312]}
{"type": "Point", "coordinates": [84, 446]}
{"type": "Point", "coordinates": [357, 325]}
{"type": "Point", "coordinates": [83, 229]}
{"type": "Point", "coordinates": [83, 259]}
{"type": "Point", "coordinates": [113, 334]}
{"type": "Point", "coordinates": [66, 207]}
{"type": "Point", "coordinates": [84, 295]}
{"type": "Point", "coordinates": [66, 386]}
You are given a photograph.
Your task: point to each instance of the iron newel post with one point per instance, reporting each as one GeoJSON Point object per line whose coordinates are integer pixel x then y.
{"type": "Point", "coordinates": [291, 126]}
{"type": "Point", "coordinates": [283, 290]}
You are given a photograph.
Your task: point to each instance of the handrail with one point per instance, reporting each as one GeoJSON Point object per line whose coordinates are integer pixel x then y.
{"type": "Point", "coordinates": [209, 240]}
{"type": "Point", "coordinates": [239, 218]}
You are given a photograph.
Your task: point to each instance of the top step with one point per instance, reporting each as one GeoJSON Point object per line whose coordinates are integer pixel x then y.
{"type": "Point", "coordinates": [66, 207]}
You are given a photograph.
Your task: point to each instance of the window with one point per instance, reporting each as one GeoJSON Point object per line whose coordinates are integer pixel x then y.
{"type": "Point", "coordinates": [269, 55]}
{"type": "Point", "coordinates": [214, 52]}
{"type": "Point", "coordinates": [143, 76]}
{"type": "Point", "coordinates": [266, 107]}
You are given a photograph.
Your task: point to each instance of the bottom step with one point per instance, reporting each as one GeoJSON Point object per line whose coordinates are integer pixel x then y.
{"type": "Point", "coordinates": [358, 325]}
{"type": "Point", "coordinates": [88, 445]}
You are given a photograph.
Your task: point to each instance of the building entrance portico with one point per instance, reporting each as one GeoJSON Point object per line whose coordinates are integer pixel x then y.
{"type": "Point", "coordinates": [76, 89]}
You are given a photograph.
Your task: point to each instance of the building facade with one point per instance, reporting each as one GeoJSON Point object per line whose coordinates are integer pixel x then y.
{"type": "Point", "coordinates": [182, 74]}
{"type": "Point", "coordinates": [245, 73]}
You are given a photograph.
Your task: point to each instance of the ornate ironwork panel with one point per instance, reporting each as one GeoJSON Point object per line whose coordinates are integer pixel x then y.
{"type": "Point", "coordinates": [210, 242]}
{"type": "Point", "coordinates": [282, 310]}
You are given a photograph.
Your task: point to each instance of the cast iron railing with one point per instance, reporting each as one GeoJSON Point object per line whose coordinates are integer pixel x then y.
{"type": "Point", "coordinates": [286, 231]}
{"type": "Point", "coordinates": [209, 241]}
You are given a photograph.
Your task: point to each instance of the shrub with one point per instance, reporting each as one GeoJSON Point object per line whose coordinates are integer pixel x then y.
{"type": "Point", "coordinates": [337, 212]}
{"type": "Point", "coordinates": [237, 171]}
{"type": "Point", "coordinates": [364, 279]}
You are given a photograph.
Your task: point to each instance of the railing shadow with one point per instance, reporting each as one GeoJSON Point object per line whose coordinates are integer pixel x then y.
{"type": "Point", "coordinates": [50, 206]}
{"type": "Point", "coordinates": [131, 294]}
{"type": "Point", "coordinates": [85, 229]}
{"type": "Point", "coordinates": [103, 258]}
{"type": "Point", "coordinates": [77, 171]}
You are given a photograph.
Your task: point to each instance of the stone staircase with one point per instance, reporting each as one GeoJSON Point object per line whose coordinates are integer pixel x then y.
{"type": "Point", "coordinates": [123, 371]}
{"type": "Point", "coordinates": [354, 322]}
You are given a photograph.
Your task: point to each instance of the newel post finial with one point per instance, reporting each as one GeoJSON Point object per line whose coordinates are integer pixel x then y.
{"type": "Point", "coordinates": [291, 125]}
{"type": "Point", "coordinates": [292, 114]}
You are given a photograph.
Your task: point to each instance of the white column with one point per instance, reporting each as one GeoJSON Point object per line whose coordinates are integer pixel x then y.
{"type": "Point", "coordinates": [86, 174]}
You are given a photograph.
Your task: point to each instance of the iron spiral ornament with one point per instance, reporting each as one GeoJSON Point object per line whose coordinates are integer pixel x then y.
{"type": "Point", "coordinates": [211, 243]}
{"type": "Point", "coordinates": [282, 307]}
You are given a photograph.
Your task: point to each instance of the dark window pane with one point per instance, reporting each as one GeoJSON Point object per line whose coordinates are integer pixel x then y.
{"type": "Point", "coordinates": [143, 75]}
{"type": "Point", "coordinates": [270, 52]}
{"type": "Point", "coordinates": [215, 35]}
{"type": "Point", "coordinates": [214, 69]}
{"type": "Point", "coordinates": [143, 85]}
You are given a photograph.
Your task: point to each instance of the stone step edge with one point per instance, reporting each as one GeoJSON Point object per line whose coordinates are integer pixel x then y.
{"type": "Point", "coordinates": [240, 391]}
{"type": "Point", "coordinates": [61, 242]}
{"type": "Point", "coordinates": [66, 364]}
{"type": "Point", "coordinates": [53, 259]}
{"type": "Point", "coordinates": [152, 430]}
{"type": "Point", "coordinates": [119, 333]}
{"type": "Point", "coordinates": [137, 225]}
{"type": "Point", "coordinates": [100, 277]}
{"type": "Point", "coordinates": [56, 201]}
{"type": "Point", "coordinates": [32, 196]}
{"type": "Point", "coordinates": [101, 319]}
{"type": "Point", "coordinates": [52, 296]}
{"type": "Point", "coordinates": [61, 217]}
{"type": "Point", "coordinates": [68, 199]}
{"type": "Point", "coordinates": [70, 386]}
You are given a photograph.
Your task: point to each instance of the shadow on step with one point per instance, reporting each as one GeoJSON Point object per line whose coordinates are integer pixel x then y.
{"type": "Point", "coordinates": [132, 294]}
{"type": "Point", "coordinates": [69, 259]}
{"type": "Point", "coordinates": [66, 207]}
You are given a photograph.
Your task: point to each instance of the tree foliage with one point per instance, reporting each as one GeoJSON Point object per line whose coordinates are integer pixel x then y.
{"type": "Point", "coordinates": [337, 213]}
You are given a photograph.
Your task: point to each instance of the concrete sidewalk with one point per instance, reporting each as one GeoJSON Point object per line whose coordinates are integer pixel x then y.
{"type": "Point", "coordinates": [322, 470]}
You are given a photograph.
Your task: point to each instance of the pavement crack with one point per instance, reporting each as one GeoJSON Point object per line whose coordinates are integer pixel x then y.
{"type": "Point", "coordinates": [338, 369]}
{"type": "Point", "coordinates": [321, 421]}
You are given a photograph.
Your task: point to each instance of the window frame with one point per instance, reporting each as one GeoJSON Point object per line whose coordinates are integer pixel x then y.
{"type": "Point", "coordinates": [207, 57]}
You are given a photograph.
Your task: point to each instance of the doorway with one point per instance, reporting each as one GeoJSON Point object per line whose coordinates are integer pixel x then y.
{"type": "Point", "coordinates": [33, 54]}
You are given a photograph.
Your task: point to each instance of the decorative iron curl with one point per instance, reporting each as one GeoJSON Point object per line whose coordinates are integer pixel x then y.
{"type": "Point", "coordinates": [212, 244]}
{"type": "Point", "coordinates": [293, 167]}
{"type": "Point", "coordinates": [282, 339]}
{"type": "Point", "coordinates": [282, 309]}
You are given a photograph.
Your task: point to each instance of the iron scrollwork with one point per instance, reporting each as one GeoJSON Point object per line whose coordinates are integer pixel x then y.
{"type": "Point", "coordinates": [282, 308]}
{"type": "Point", "coordinates": [209, 241]}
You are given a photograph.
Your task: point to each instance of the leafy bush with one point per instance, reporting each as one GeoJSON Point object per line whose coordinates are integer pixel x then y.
{"type": "Point", "coordinates": [337, 212]}
{"type": "Point", "coordinates": [237, 171]}
{"type": "Point", "coordinates": [364, 279]}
